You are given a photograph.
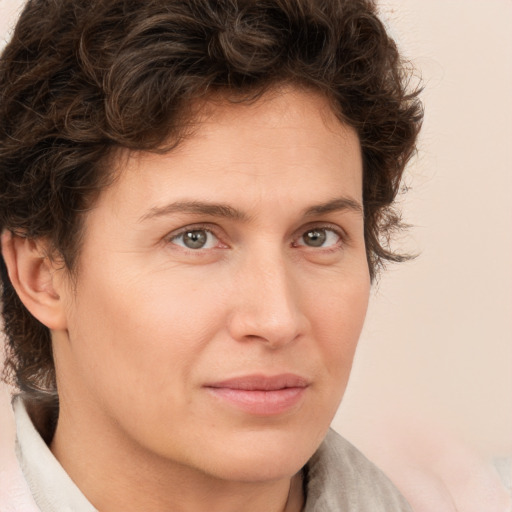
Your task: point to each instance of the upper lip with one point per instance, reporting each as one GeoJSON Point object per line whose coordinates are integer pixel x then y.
{"type": "Point", "coordinates": [262, 382]}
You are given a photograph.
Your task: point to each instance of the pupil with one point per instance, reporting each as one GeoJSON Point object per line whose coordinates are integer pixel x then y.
{"type": "Point", "coordinates": [195, 239]}
{"type": "Point", "coordinates": [315, 238]}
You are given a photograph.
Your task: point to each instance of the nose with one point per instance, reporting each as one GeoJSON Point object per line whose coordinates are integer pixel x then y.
{"type": "Point", "coordinates": [267, 303]}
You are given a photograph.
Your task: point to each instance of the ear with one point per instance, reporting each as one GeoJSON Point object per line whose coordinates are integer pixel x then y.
{"type": "Point", "coordinates": [36, 278]}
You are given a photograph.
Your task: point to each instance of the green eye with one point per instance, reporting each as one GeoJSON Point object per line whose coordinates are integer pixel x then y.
{"type": "Point", "coordinates": [319, 237]}
{"type": "Point", "coordinates": [196, 239]}
{"type": "Point", "coordinates": [315, 237]}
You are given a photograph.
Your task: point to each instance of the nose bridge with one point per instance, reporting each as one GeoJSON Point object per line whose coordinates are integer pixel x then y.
{"type": "Point", "coordinates": [267, 300]}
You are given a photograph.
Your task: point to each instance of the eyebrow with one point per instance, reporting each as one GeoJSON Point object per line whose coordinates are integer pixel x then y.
{"type": "Point", "coordinates": [338, 204]}
{"type": "Point", "coordinates": [226, 211]}
{"type": "Point", "coordinates": [196, 207]}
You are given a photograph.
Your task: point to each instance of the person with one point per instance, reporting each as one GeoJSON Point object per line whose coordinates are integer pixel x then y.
{"type": "Point", "coordinates": [195, 198]}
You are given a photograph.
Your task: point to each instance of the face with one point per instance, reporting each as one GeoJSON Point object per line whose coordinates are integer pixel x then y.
{"type": "Point", "coordinates": [221, 291]}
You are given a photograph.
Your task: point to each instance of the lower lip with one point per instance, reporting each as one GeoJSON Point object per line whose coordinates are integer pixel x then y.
{"type": "Point", "coordinates": [259, 402]}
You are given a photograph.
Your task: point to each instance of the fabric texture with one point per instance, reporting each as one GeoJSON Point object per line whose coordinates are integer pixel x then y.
{"type": "Point", "coordinates": [339, 477]}
{"type": "Point", "coordinates": [342, 479]}
{"type": "Point", "coordinates": [52, 488]}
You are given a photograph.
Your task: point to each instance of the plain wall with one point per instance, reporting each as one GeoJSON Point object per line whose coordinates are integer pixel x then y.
{"type": "Point", "coordinates": [438, 338]}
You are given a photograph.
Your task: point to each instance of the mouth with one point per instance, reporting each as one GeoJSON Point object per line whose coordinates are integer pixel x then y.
{"type": "Point", "coordinates": [261, 395]}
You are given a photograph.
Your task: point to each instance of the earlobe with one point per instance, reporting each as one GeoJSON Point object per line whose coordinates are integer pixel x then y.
{"type": "Point", "coordinates": [32, 274]}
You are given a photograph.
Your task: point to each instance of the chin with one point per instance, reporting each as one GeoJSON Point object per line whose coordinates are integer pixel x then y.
{"type": "Point", "coordinates": [260, 467]}
{"type": "Point", "coordinates": [264, 455]}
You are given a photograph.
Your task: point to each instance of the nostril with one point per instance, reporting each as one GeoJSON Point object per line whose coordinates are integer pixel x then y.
{"type": "Point", "coordinates": [253, 324]}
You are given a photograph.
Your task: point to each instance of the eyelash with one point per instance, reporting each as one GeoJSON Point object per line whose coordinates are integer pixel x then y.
{"type": "Point", "coordinates": [187, 229]}
{"type": "Point", "coordinates": [342, 236]}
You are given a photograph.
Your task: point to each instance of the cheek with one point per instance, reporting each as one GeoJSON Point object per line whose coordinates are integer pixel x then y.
{"type": "Point", "coordinates": [336, 313]}
{"type": "Point", "coordinates": [131, 329]}
{"type": "Point", "coordinates": [339, 296]}
{"type": "Point", "coordinates": [337, 318]}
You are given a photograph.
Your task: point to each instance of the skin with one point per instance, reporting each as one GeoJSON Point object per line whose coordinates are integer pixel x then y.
{"type": "Point", "coordinates": [148, 322]}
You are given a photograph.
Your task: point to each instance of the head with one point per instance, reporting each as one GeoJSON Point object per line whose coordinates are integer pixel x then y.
{"type": "Point", "coordinates": [105, 106]}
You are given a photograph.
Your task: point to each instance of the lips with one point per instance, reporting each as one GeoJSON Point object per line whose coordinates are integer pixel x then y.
{"type": "Point", "coordinates": [262, 383]}
{"type": "Point", "coordinates": [261, 395]}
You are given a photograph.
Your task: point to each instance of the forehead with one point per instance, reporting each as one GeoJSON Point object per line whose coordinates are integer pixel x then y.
{"type": "Point", "coordinates": [287, 144]}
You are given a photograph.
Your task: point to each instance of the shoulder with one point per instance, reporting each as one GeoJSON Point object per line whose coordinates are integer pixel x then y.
{"type": "Point", "coordinates": [340, 477]}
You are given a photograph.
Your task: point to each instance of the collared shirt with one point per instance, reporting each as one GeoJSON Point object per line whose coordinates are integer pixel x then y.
{"type": "Point", "coordinates": [339, 477]}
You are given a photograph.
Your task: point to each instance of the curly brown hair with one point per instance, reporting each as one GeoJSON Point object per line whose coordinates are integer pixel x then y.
{"type": "Point", "coordinates": [81, 78]}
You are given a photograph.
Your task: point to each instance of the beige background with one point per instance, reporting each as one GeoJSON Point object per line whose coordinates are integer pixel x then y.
{"type": "Point", "coordinates": [438, 339]}
{"type": "Point", "coordinates": [434, 367]}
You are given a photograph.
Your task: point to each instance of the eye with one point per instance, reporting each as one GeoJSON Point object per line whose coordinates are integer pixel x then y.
{"type": "Point", "coordinates": [195, 239]}
{"type": "Point", "coordinates": [319, 237]}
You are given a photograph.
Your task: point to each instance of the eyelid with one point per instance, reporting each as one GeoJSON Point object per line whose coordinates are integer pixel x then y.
{"type": "Point", "coordinates": [210, 228]}
{"type": "Point", "coordinates": [214, 230]}
{"type": "Point", "coordinates": [344, 238]}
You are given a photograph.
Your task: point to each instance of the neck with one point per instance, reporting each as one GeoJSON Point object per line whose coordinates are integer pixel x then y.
{"type": "Point", "coordinates": [115, 474]}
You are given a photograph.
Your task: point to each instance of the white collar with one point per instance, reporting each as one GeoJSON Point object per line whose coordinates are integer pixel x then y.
{"type": "Point", "coordinates": [52, 488]}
